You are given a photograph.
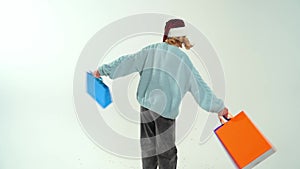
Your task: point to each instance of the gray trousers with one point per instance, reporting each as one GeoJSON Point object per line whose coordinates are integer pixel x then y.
{"type": "Point", "coordinates": [157, 141]}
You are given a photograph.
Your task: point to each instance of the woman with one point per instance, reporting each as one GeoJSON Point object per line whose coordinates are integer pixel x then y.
{"type": "Point", "coordinates": [166, 75]}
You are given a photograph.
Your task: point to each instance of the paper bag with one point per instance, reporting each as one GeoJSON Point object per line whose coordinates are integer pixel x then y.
{"type": "Point", "coordinates": [243, 141]}
{"type": "Point", "coordinates": [98, 90]}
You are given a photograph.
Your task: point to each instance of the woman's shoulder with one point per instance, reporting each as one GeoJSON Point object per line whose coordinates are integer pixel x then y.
{"type": "Point", "coordinates": [167, 48]}
{"type": "Point", "coordinates": [156, 45]}
{"type": "Point", "coordinates": [164, 46]}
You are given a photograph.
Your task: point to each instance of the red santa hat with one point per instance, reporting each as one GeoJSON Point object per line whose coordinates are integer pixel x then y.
{"type": "Point", "coordinates": [174, 28]}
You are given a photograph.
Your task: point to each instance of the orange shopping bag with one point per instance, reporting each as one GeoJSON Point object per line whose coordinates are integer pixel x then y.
{"type": "Point", "coordinates": [243, 141]}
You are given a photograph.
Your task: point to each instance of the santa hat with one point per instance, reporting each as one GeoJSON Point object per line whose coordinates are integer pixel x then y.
{"type": "Point", "coordinates": [174, 28]}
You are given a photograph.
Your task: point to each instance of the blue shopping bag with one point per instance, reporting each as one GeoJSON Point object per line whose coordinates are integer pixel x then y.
{"type": "Point", "coordinates": [98, 90]}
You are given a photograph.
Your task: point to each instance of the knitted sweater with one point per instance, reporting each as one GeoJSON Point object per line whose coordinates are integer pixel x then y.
{"type": "Point", "coordinates": [166, 75]}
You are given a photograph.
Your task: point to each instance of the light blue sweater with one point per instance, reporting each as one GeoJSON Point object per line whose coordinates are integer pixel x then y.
{"type": "Point", "coordinates": [166, 75]}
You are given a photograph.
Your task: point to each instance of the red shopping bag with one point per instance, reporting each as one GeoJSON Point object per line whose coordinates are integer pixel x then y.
{"type": "Point", "coordinates": [243, 141]}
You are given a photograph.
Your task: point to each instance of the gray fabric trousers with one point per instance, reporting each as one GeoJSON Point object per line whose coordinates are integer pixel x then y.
{"type": "Point", "coordinates": [157, 141]}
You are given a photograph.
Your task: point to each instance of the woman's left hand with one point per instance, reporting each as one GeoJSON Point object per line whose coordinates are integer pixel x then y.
{"type": "Point", "coordinates": [224, 113]}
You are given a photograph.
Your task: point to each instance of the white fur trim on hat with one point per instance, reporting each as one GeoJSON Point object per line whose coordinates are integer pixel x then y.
{"type": "Point", "coordinates": [176, 32]}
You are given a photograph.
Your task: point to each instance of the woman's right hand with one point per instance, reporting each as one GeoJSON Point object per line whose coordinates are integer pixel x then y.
{"type": "Point", "coordinates": [96, 74]}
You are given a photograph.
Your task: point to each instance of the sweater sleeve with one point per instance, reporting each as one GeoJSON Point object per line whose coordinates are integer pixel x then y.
{"type": "Point", "coordinates": [203, 95]}
{"type": "Point", "coordinates": [124, 65]}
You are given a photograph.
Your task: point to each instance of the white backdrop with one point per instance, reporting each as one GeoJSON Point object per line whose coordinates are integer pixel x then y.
{"type": "Point", "coordinates": [40, 42]}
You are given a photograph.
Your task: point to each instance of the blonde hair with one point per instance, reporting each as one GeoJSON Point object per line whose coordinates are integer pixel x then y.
{"type": "Point", "coordinates": [178, 41]}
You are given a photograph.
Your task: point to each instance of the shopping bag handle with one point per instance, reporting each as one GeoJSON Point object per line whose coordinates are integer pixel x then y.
{"type": "Point", "coordinates": [227, 119]}
{"type": "Point", "coordinates": [100, 78]}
